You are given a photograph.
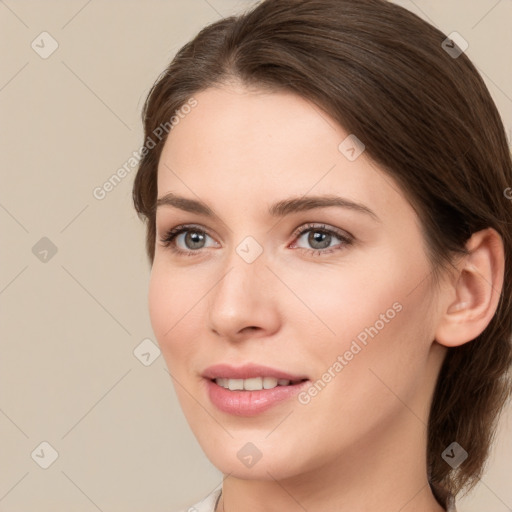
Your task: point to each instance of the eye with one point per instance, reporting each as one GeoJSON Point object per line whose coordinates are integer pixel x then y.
{"type": "Point", "coordinates": [193, 238]}
{"type": "Point", "coordinates": [320, 239]}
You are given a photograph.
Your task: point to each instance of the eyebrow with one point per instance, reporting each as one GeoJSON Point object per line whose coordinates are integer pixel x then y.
{"type": "Point", "coordinates": [279, 209]}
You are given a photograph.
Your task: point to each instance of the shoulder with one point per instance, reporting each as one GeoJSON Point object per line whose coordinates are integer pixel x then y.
{"type": "Point", "coordinates": [207, 504]}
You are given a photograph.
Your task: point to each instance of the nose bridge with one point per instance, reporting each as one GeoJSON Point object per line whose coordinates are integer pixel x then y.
{"type": "Point", "coordinates": [241, 296]}
{"type": "Point", "coordinates": [243, 272]}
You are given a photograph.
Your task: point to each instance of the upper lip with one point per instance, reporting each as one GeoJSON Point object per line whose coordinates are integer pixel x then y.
{"type": "Point", "coordinates": [247, 371]}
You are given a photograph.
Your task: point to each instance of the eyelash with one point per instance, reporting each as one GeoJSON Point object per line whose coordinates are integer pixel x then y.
{"type": "Point", "coordinates": [347, 240]}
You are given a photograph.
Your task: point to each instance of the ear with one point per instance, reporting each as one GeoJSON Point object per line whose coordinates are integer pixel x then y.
{"type": "Point", "coordinates": [470, 301]}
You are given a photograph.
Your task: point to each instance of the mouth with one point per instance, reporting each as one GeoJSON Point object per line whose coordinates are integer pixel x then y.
{"type": "Point", "coordinates": [254, 383]}
{"type": "Point", "coordinates": [255, 374]}
{"type": "Point", "coordinates": [250, 389]}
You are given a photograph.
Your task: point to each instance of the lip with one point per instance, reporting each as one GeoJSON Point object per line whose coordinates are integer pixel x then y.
{"type": "Point", "coordinates": [247, 371]}
{"type": "Point", "coordinates": [249, 403]}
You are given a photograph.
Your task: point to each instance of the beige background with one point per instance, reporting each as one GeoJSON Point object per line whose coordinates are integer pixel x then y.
{"type": "Point", "coordinates": [70, 324]}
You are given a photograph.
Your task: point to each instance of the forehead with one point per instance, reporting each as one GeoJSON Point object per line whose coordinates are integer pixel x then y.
{"type": "Point", "coordinates": [265, 145]}
{"type": "Point", "coordinates": [234, 123]}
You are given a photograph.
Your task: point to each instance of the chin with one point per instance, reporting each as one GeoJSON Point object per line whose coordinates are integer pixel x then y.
{"type": "Point", "coordinates": [258, 460]}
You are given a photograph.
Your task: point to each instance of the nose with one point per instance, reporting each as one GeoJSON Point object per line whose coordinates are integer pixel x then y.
{"type": "Point", "coordinates": [244, 300]}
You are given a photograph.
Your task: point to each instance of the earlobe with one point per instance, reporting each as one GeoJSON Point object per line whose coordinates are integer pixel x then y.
{"type": "Point", "coordinates": [470, 303]}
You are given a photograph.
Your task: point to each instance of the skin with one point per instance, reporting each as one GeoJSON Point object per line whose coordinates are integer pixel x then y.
{"type": "Point", "coordinates": [360, 443]}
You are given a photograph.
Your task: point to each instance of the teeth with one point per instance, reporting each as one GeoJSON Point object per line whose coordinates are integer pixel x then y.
{"type": "Point", "coordinates": [234, 384]}
{"type": "Point", "coordinates": [269, 382]}
{"type": "Point", "coordinates": [252, 384]}
{"type": "Point", "coordinates": [222, 382]}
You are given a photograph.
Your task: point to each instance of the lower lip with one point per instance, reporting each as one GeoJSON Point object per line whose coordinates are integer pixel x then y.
{"type": "Point", "coordinates": [250, 403]}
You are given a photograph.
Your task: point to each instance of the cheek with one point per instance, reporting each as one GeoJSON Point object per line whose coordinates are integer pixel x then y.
{"type": "Point", "coordinates": [362, 290]}
{"type": "Point", "coordinates": [382, 358]}
{"type": "Point", "coordinates": [171, 300]}
{"type": "Point", "coordinates": [375, 313]}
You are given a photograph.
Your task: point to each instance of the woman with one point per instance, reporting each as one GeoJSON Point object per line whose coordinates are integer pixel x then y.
{"type": "Point", "coordinates": [323, 186]}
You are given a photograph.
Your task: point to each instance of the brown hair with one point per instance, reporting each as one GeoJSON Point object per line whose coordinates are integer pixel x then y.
{"type": "Point", "coordinates": [425, 117]}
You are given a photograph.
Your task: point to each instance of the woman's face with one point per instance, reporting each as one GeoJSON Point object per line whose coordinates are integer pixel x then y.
{"type": "Point", "coordinates": [339, 295]}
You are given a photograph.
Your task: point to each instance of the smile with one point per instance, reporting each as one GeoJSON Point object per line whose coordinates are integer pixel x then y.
{"type": "Point", "coordinates": [253, 384]}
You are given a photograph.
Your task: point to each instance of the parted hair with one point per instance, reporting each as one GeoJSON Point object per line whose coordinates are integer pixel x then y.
{"type": "Point", "coordinates": [426, 119]}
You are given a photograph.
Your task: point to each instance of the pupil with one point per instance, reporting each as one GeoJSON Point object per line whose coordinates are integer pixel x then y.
{"type": "Point", "coordinates": [319, 237]}
{"type": "Point", "coordinates": [194, 238]}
